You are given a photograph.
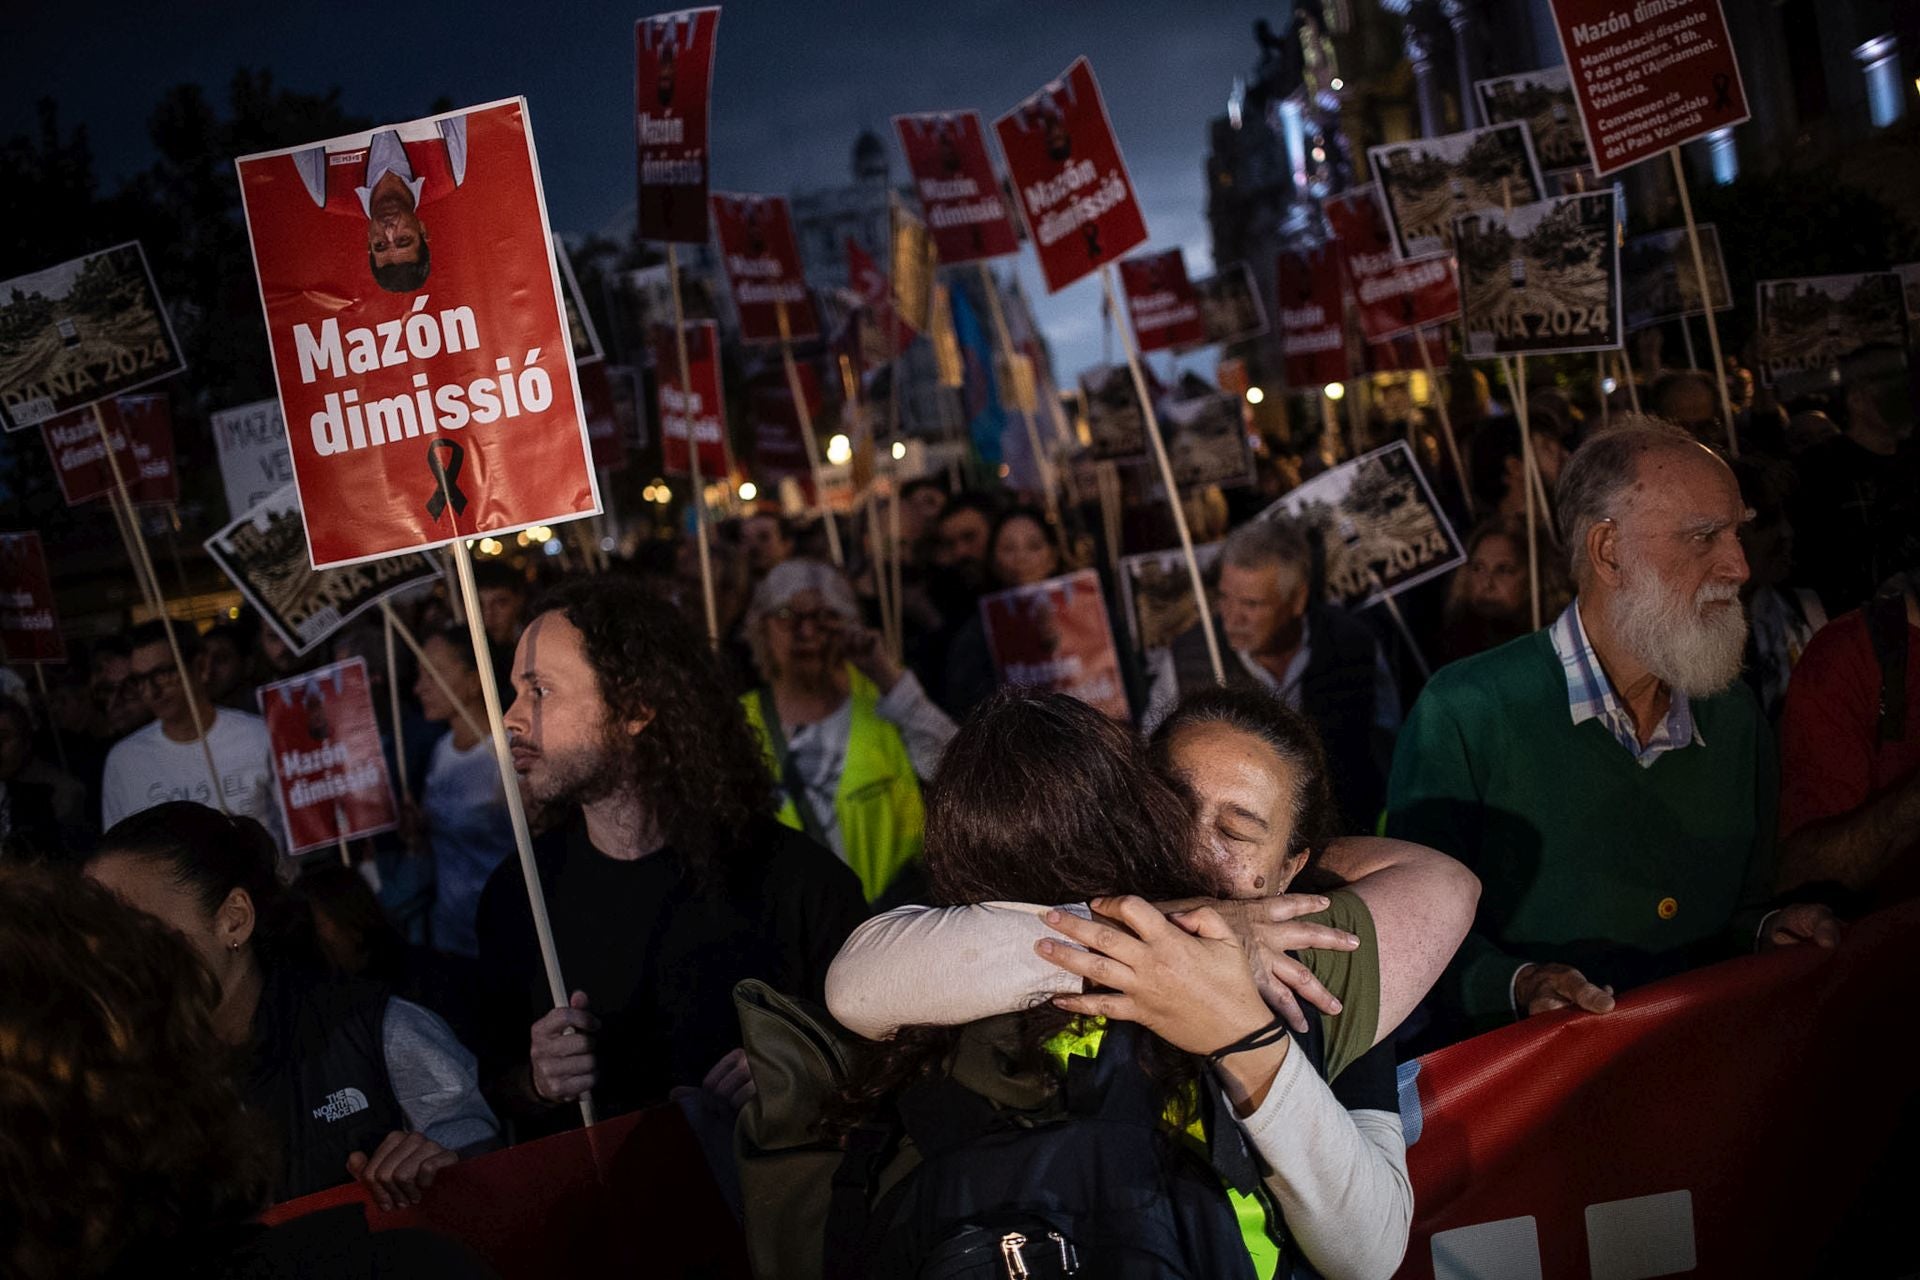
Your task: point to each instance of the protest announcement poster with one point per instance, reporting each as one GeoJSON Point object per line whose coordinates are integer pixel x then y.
{"type": "Point", "coordinates": [1810, 324]}
{"type": "Point", "coordinates": [1382, 528]}
{"type": "Point", "coordinates": [264, 552]}
{"type": "Point", "coordinates": [141, 429]}
{"type": "Point", "coordinates": [1116, 421]}
{"type": "Point", "coordinates": [419, 341]}
{"type": "Point", "coordinates": [1071, 184]}
{"type": "Point", "coordinates": [1161, 302]}
{"type": "Point", "coordinates": [29, 620]}
{"type": "Point", "coordinates": [1657, 279]}
{"type": "Point", "coordinates": [1313, 316]}
{"type": "Point", "coordinates": [1157, 594]}
{"type": "Point", "coordinates": [698, 402]}
{"type": "Point", "coordinates": [328, 766]}
{"type": "Point", "coordinates": [1392, 295]}
{"type": "Point", "coordinates": [255, 460]}
{"type": "Point", "coordinates": [1230, 308]}
{"type": "Point", "coordinates": [1206, 441]}
{"type": "Point", "coordinates": [1544, 278]}
{"type": "Point", "coordinates": [1054, 635]}
{"type": "Point", "coordinates": [81, 332]}
{"type": "Point", "coordinates": [1544, 101]}
{"type": "Point", "coordinates": [673, 71]}
{"type": "Point", "coordinates": [1648, 76]}
{"type": "Point", "coordinates": [953, 176]}
{"type": "Point", "coordinates": [1427, 183]}
{"type": "Point", "coordinates": [763, 267]}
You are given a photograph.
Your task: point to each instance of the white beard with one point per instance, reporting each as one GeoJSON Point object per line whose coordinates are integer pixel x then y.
{"type": "Point", "coordinates": [1695, 646]}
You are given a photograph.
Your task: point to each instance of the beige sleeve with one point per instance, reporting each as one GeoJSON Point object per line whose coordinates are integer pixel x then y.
{"type": "Point", "coordinates": [942, 966]}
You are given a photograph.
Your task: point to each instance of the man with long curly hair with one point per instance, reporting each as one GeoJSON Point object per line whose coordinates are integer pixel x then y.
{"type": "Point", "coordinates": [666, 876]}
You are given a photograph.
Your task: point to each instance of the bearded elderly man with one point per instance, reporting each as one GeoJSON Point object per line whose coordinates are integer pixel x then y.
{"type": "Point", "coordinates": [1610, 779]}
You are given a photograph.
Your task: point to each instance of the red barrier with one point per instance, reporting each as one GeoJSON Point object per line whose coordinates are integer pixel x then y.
{"type": "Point", "coordinates": [1718, 1124]}
{"type": "Point", "coordinates": [629, 1197]}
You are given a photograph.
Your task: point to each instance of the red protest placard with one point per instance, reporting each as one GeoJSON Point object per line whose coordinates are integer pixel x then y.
{"type": "Point", "coordinates": [947, 155]}
{"type": "Point", "coordinates": [1650, 76]}
{"type": "Point", "coordinates": [703, 405]}
{"type": "Point", "coordinates": [673, 70]}
{"type": "Point", "coordinates": [779, 448]}
{"type": "Point", "coordinates": [327, 759]}
{"type": "Point", "coordinates": [603, 417]}
{"type": "Point", "coordinates": [1393, 295]}
{"type": "Point", "coordinates": [1071, 183]}
{"type": "Point", "coordinates": [763, 266]}
{"type": "Point", "coordinates": [1055, 635]}
{"type": "Point", "coordinates": [1162, 302]}
{"type": "Point", "coordinates": [80, 461]}
{"type": "Point", "coordinates": [1313, 331]}
{"type": "Point", "coordinates": [418, 336]}
{"type": "Point", "coordinates": [29, 620]}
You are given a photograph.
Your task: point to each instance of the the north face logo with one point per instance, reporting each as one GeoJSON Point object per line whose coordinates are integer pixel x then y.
{"type": "Point", "coordinates": [340, 1104]}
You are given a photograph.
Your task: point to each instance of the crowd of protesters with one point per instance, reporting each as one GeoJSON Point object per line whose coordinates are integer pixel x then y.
{"type": "Point", "coordinates": [1270, 888]}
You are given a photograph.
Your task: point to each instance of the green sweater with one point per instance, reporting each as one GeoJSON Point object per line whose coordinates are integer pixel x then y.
{"type": "Point", "coordinates": [1584, 857]}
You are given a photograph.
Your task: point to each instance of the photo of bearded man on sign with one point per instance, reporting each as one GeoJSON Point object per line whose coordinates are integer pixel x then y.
{"type": "Point", "coordinates": [387, 181]}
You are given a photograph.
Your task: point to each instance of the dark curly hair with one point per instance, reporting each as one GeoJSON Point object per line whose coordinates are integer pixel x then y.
{"type": "Point", "coordinates": [1040, 798]}
{"type": "Point", "coordinates": [124, 1129]}
{"type": "Point", "coordinates": [698, 768]}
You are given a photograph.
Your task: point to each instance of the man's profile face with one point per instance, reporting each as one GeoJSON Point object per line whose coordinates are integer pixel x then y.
{"type": "Point", "coordinates": [558, 728]}
{"type": "Point", "coordinates": [1257, 607]}
{"type": "Point", "coordinates": [395, 234]}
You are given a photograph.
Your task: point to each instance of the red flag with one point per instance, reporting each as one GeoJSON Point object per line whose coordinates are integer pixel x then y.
{"type": "Point", "coordinates": [702, 405]}
{"type": "Point", "coordinates": [673, 68]}
{"type": "Point", "coordinates": [428, 395]}
{"type": "Point", "coordinates": [1079, 205]}
{"type": "Point", "coordinates": [882, 318]}
{"type": "Point", "coordinates": [1162, 302]}
{"type": "Point", "coordinates": [763, 266]}
{"type": "Point", "coordinates": [947, 155]}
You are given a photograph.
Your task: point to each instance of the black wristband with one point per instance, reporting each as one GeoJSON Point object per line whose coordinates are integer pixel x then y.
{"type": "Point", "coordinates": [1272, 1033]}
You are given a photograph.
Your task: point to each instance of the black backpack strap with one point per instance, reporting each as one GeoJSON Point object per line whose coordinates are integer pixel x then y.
{"type": "Point", "coordinates": [1887, 630]}
{"type": "Point", "coordinates": [850, 1208]}
{"type": "Point", "coordinates": [790, 779]}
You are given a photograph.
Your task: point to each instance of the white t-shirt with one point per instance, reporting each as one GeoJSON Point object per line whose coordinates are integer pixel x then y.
{"type": "Point", "coordinates": [147, 768]}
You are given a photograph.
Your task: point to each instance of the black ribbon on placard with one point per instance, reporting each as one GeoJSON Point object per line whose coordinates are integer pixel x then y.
{"type": "Point", "coordinates": [1722, 91]}
{"type": "Point", "coordinates": [1092, 233]}
{"type": "Point", "coordinates": [444, 459]}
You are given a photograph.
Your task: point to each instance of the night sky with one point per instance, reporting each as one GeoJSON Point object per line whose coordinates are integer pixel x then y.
{"type": "Point", "coordinates": [794, 83]}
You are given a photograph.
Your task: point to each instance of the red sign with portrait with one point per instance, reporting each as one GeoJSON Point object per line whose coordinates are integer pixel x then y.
{"type": "Point", "coordinates": [1055, 635]}
{"type": "Point", "coordinates": [673, 71]}
{"type": "Point", "coordinates": [697, 400]}
{"type": "Point", "coordinates": [953, 175]}
{"type": "Point", "coordinates": [763, 267]}
{"type": "Point", "coordinates": [1393, 295]}
{"type": "Point", "coordinates": [327, 759]}
{"type": "Point", "coordinates": [29, 620]}
{"type": "Point", "coordinates": [419, 338]}
{"type": "Point", "coordinates": [779, 448]}
{"type": "Point", "coordinates": [1313, 331]}
{"type": "Point", "coordinates": [1162, 302]}
{"type": "Point", "coordinates": [1069, 179]}
{"type": "Point", "coordinates": [1635, 104]}
{"type": "Point", "coordinates": [141, 428]}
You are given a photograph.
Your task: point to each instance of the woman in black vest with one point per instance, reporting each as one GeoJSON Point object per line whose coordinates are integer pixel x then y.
{"type": "Point", "coordinates": [355, 1082]}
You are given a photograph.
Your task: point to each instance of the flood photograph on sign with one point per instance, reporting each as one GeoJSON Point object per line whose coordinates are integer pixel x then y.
{"type": "Point", "coordinates": [1230, 307]}
{"type": "Point", "coordinates": [80, 332]}
{"type": "Point", "coordinates": [1115, 420]}
{"type": "Point", "coordinates": [1544, 101]}
{"type": "Point", "coordinates": [1543, 278]}
{"type": "Point", "coordinates": [1658, 281]}
{"type": "Point", "coordinates": [1430, 182]}
{"type": "Point", "coordinates": [1808, 326]}
{"type": "Point", "coordinates": [1381, 526]}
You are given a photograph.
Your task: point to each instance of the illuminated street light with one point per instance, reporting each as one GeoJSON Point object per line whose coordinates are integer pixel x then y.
{"type": "Point", "coordinates": [1255, 395]}
{"type": "Point", "coordinates": [839, 451]}
{"type": "Point", "coordinates": [1336, 390]}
